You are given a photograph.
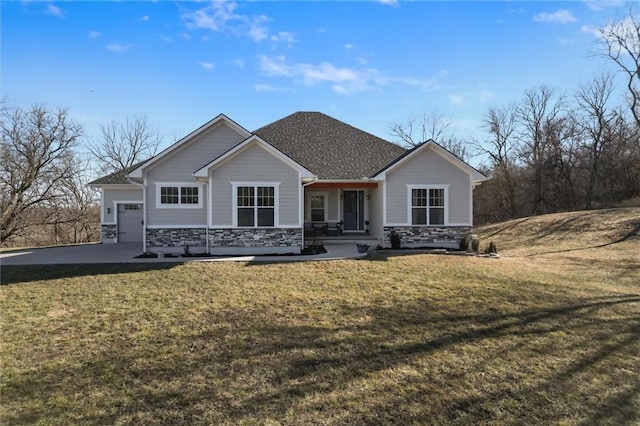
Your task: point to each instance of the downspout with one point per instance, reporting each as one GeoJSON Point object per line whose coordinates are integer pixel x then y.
{"type": "Point", "coordinates": [144, 213]}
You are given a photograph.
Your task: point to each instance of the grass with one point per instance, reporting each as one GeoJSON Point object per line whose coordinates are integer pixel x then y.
{"type": "Point", "coordinates": [547, 334]}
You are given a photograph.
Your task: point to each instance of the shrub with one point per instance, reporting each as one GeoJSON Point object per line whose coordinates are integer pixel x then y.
{"type": "Point", "coordinates": [491, 248]}
{"type": "Point", "coordinates": [464, 243]}
{"type": "Point", "coordinates": [475, 244]}
{"type": "Point", "coordinates": [395, 240]}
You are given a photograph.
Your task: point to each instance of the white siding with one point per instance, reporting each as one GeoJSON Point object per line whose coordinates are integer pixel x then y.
{"type": "Point", "coordinates": [254, 165]}
{"type": "Point", "coordinates": [179, 167]}
{"type": "Point", "coordinates": [111, 195]}
{"type": "Point", "coordinates": [428, 168]}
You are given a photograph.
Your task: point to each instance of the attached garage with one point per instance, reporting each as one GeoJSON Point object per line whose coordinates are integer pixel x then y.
{"type": "Point", "coordinates": [130, 223]}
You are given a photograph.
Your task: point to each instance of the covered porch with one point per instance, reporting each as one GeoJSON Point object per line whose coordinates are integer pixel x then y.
{"type": "Point", "coordinates": [342, 210]}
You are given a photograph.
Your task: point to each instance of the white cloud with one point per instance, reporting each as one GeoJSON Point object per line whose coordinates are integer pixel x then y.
{"type": "Point", "coordinates": [144, 18]}
{"type": "Point", "coordinates": [284, 37]}
{"type": "Point", "coordinates": [54, 10]}
{"type": "Point", "coordinates": [94, 34]}
{"type": "Point", "coordinates": [486, 95]}
{"type": "Point", "coordinates": [118, 48]}
{"type": "Point", "coordinates": [342, 80]}
{"type": "Point", "coordinates": [238, 63]}
{"type": "Point", "coordinates": [220, 16]}
{"type": "Point", "coordinates": [394, 3]}
{"type": "Point", "coordinates": [561, 16]}
{"type": "Point", "coordinates": [185, 36]}
{"type": "Point", "coordinates": [207, 65]}
{"type": "Point", "coordinates": [348, 46]}
{"type": "Point", "coordinates": [600, 5]}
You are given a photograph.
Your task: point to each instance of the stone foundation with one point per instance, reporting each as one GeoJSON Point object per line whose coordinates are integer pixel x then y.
{"type": "Point", "coordinates": [176, 238]}
{"type": "Point", "coordinates": [108, 233]}
{"type": "Point", "coordinates": [427, 236]}
{"type": "Point", "coordinates": [255, 240]}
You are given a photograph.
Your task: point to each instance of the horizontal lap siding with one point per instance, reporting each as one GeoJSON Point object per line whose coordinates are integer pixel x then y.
{"type": "Point", "coordinates": [254, 165]}
{"type": "Point", "coordinates": [180, 166]}
{"type": "Point", "coordinates": [428, 168]}
{"type": "Point", "coordinates": [111, 195]}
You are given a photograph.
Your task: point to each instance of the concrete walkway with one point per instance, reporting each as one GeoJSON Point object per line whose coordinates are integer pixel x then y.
{"type": "Point", "coordinates": [126, 253]}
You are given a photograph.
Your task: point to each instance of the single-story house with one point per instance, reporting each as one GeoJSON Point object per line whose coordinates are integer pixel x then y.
{"type": "Point", "coordinates": [225, 190]}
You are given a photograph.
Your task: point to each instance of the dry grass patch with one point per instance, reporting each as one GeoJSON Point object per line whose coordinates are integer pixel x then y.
{"type": "Point", "coordinates": [420, 339]}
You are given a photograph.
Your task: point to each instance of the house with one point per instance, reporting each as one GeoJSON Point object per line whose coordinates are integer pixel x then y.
{"type": "Point", "coordinates": [225, 190]}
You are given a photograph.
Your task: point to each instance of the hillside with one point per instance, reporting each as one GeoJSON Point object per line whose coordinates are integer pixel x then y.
{"type": "Point", "coordinates": [608, 236]}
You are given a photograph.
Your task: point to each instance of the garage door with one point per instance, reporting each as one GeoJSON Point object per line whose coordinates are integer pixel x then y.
{"type": "Point", "coordinates": [130, 223]}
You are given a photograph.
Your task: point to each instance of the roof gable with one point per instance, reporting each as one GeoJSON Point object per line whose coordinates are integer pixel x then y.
{"type": "Point", "coordinates": [220, 118]}
{"type": "Point", "coordinates": [476, 176]}
{"type": "Point", "coordinates": [329, 148]}
{"type": "Point", "coordinates": [244, 145]}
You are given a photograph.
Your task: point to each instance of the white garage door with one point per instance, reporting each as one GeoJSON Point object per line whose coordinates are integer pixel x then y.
{"type": "Point", "coordinates": [130, 223]}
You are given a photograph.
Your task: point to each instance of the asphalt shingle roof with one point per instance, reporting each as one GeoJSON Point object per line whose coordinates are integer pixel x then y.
{"type": "Point", "coordinates": [328, 147]}
{"type": "Point", "coordinates": [117, 178]}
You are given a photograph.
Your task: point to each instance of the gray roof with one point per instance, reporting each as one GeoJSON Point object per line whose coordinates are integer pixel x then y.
{"type": "Point", "coordinates": [119, 177]}
{"type": "Point", "coordinates": [328, 147]}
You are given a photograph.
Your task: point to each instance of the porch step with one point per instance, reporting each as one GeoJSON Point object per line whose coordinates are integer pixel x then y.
{"type": "Point", "coordinates": [347, 239]}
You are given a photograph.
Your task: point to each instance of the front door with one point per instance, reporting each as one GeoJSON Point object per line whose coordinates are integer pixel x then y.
{"type": "Point", "coordinates": [353, 208]}
{"type": "Point", "coordinates": [130, 223]}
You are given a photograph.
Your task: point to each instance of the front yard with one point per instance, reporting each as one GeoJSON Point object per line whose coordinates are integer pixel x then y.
{"type": "Point", "coordinates": [409, 339]}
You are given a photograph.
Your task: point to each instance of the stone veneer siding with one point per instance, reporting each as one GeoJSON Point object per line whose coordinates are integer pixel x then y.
{"type": "Point", "coordinates": [179, 237]}
{"type": "Point", "coordinates": [108, 232]}
{"type": "Point", "coordinates": [432, 236]}
{"type": "Point", "coordinates": [255, 237]}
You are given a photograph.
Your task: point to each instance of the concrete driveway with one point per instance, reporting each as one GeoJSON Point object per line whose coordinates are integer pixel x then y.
{"type": "Point", "coordinates": [126, 253]}
{"type": "Point", "coordinates": [84, 253]}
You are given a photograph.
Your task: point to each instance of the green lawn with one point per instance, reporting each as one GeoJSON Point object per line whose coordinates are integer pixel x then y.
{"type": "Point", "coordinates": [411, 339]}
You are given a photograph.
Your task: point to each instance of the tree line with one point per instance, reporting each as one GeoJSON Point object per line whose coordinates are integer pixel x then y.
{"type": "Point", "coordinates": [552, 151]}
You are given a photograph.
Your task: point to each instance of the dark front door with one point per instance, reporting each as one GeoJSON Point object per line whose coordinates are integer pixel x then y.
{"type": "Point", "coordinates": [353, 210]}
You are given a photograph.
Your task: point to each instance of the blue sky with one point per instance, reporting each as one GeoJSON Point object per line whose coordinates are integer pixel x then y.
{"type": "Point", "coordinates": [366, 63]}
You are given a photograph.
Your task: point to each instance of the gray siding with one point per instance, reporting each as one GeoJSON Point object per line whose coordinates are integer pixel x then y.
{"type": "Point", "coordinates": [180, 166]}
{"type": "Point", "coordinates": [255, 165]}
{"type": "Point", "coordinates": [333, 195]}
{"type": "Point", "coordinates": [111, 195]}
{"type": "Point", "coordinates": [428, 168]}
{"type": "Point", "coordinates": [375, 212]}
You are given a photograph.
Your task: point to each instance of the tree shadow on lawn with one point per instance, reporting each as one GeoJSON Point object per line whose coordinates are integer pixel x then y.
{"type": "Point", "coordinates": [255, 366]}
{"type": "Point", "coordinates": [15, 274]}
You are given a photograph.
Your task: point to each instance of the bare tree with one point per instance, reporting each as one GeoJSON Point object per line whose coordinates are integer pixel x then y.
{"type": "Point", "coordinates": [36, 160]}
{"type": "Point", "coordinates": [432, 125]}
{"type": "Point", "coordinates": [501, 148]}
{"type": "Point", "coordinates": [413, 131]}
{"type": "Point", "coordinates": [540, 117]}
{"type": "Point", "coordinates": [125, 144]}
{"type": "Point", "coordinates": [620, 42]}
{"type": "Point", "coordinates": [594, 120]}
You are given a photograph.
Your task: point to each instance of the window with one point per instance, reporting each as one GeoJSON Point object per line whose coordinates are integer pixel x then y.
{"type": "Point", "coordinates": [317, 207]}
{"type": "Point", "coordinates": [256, 206]}
{"type": "Point", "coordinates": [428, 205]}
{"type": "Point", "coordinates": [178, 195]}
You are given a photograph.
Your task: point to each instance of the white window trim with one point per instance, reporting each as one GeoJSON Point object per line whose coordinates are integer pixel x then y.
{"type": "Point", "coordinates": [276, 202]}
{"type": "Point", "coordinates": [326, 204]}
{"type": "Point", "coordinates": [159, 185]}
{"type": "Point", "coordinates": [427, 187]}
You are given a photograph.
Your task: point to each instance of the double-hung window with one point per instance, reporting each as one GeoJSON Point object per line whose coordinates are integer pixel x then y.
{"type": "Point", "coordinates": [178, 195]}
{"type": "Point", "coordinates": [428, 205]}
{"type": "Point", "coordinates": [318, 207]}
{"type": "Point", "coordinates": [256, 205]}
